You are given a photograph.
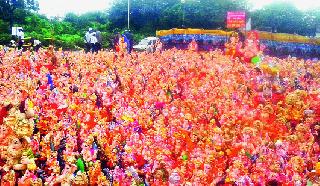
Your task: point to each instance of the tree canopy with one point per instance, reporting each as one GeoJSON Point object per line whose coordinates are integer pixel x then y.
{"type": "Point", "coordinates": [148, 16]}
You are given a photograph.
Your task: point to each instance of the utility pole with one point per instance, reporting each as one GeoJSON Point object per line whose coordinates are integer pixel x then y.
{"type": "Point", "coordinates": [183, 12]}
{"type": "Point", "coordinates": [11, 12]}
{"type": "Point", "coordinates": [128, 14]}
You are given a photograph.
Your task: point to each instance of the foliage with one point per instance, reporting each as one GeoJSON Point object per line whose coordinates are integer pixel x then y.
{"type": "Point", "coordinates": [284, 17]}
{"type": "Point", "coordinates": [148, 16]}
{"type": "Point", "coordinates": [68, 41]}
{"type": "Point", "coordinates": [4, 38]}
{"type": "Point", "coordinates": [8, 8]}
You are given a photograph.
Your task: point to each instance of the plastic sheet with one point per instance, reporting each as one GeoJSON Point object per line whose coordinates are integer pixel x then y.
{"type": "Point", "coordinates": [208, 42]}
{"type": "Point", "coordinates": [280, 37]}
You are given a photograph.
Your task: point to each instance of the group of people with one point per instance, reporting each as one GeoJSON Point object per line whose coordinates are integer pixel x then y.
{"type": "Point", "coordinates": [123, 43]}
{"type": "Point", "coordinates": [18, 41]}
{"type": "Point", "coordinates": [171, 117]}
{"type": "Point", "coordinates": [93, 40]}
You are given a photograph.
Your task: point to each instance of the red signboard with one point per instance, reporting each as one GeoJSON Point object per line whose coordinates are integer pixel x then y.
{"type": "Point", "coordinates": [236, 20]}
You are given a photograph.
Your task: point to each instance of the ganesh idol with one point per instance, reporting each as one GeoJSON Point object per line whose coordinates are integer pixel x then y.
{"type": "Point", "coordinates": [252, 47]}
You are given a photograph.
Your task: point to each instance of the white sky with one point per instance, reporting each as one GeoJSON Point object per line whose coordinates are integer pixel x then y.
{"type": "Point", "coordinates": [61, 7]}
{"type": "Point", "coordinates": [300, 4]}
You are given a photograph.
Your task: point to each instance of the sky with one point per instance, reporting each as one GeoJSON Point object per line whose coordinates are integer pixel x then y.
{"type": "Point", "coordinates": [61, 7]}
{"type": "Point", "coordinates": [300, 4]}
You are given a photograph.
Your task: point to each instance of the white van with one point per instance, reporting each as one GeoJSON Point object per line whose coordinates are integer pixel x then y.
{"type": "Point", "coordinates": [145, 44]}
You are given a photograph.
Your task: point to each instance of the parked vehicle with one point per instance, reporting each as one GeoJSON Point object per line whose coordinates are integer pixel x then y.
{"type": "Point", "coordinates": [145, 44]}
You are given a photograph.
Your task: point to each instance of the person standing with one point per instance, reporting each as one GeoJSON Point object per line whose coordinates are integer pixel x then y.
{"type": "Point", "coordinates": [87, 40]}
{"type": "Point", "coordinates": [128, 37]}
{"type": "Point", "coordinates": [36, 45]}
{"type": "Point", "coordinates": [2, 52]}
{"type": "Point", "coordinates": [99, 40]}
{"type": "Point", "coordinates": [158, 45]}
{"type": "Point", "coordinates": [115, 42]}
{"type": "Point", "coordinates": [12, 44]}
{"type": "Point", "coordinates": [20, 35]}
{"type": "Point", "coordinates": [93, 41]}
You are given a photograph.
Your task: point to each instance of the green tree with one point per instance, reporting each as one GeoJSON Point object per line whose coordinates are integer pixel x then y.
{"type": "Point", "coordinates": [280, 17]}
{"type": "Point", "coordinates": [144, 15]}
{"type": "Point", "coordinates": [96, 20]}
{"type": "Point", "coordinates": [311, 20]}
{"type": "Point", "coordinates": [8, 8]}
{"type": "Point", "coordinates": [210, 14]}
{"type": "Point", "coordinates": [4, 36]}
{"type": "Point", "coordinates": [149, 16]}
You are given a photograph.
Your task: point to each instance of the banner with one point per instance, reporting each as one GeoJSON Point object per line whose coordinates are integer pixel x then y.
{"type": "Point", "coordinates": [236, 20]}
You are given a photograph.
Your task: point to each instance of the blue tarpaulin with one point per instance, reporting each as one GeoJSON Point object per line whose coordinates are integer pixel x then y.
{"type": "Point", "coordinates": [212, 42]}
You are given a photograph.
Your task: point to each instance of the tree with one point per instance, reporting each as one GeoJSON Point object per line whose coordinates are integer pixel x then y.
{"type": "Point", "coordinates": [117, 14]}
{"type": "Point", "coordinates": [8, 8]}
{"type": "Point", "coordinates": [4, 37]}
{"type": "Point", "coordinates": [281, 17]}
{"type": "Point", "coordinates": [149, 16]}
{"type": "Point", "coordinates": [312, 21]}
{"type": "Point", "coordinates": [210, 14]}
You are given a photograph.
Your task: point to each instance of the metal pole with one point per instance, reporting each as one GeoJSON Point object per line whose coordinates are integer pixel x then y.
{"type": "Point", "coordinates": [183, 13]}
{"type": "Point", "coordinates": [11, 12]}
{"type": "Point", "coordinates": [128, 14]}
{"type": "Point", "coordinates": [183, 16]}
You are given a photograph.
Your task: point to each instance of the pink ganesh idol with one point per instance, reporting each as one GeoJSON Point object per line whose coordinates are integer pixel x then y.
{"type": "Point", "coordinates": [252, 46]}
